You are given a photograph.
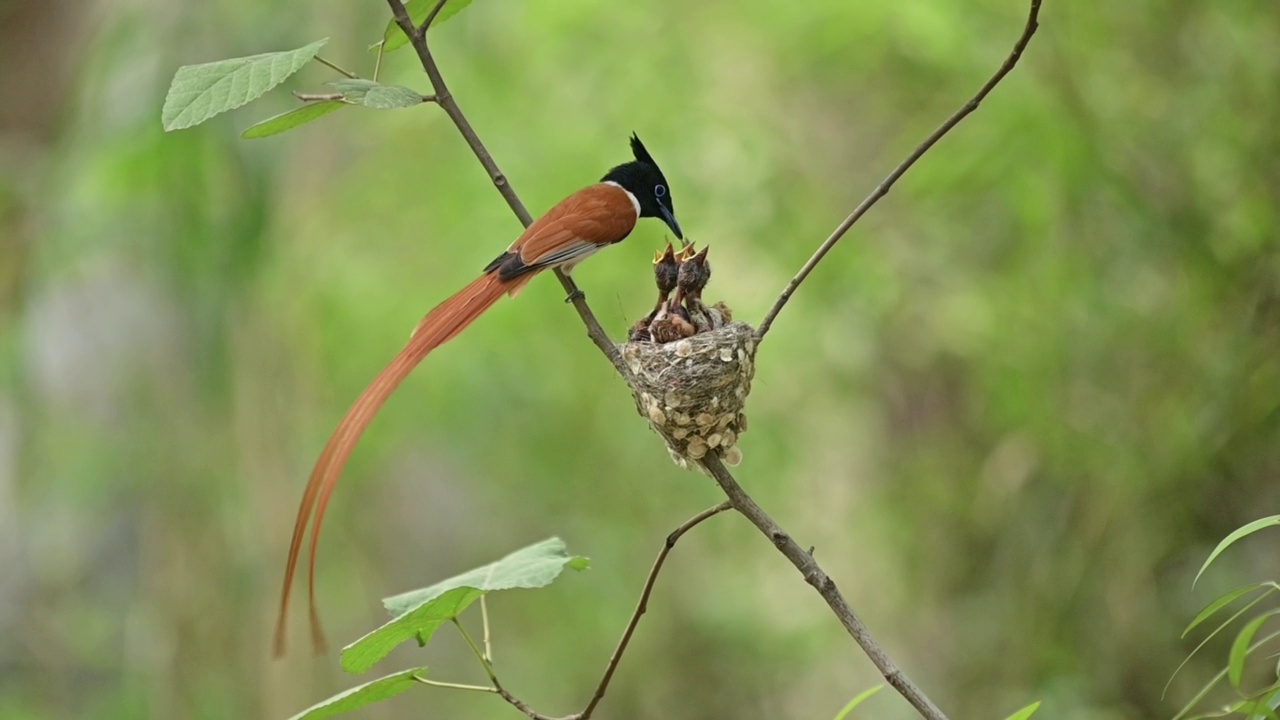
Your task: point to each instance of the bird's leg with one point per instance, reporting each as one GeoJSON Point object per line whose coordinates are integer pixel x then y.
{"type": "Point", "coordinates": [575, 294]}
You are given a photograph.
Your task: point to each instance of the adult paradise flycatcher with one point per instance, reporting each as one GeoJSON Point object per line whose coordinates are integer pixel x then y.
{"type": "Point", "coordinates": [578, 226]}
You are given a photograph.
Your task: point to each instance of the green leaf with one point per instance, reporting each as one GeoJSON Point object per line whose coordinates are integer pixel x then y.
{"type": "Point", "coordinates": [534, 566]}
{"type": "Point", "coordinates": [1220, 603]}
{"type": "Point", "coordinates": [857, 700]}
{"type": "Point", "coordinates": [1240, 647]}
{"type": "Point", "coordinates": [1229, 540]}
{"type": "Point", "coordinates": [292, 119]}
{"type": "Point", "coordinates": [375, 95]}
{"type": "Point", "coordinates": [421, 622]}
{"type": "Point", "coordinates": [1213, 682]}
{"type": "Point", "coordinates": [361, 695]}
{"type": "Point", "coordinates": [394, 39]}
{"type": "Point", "coordinates": [1025, 712]}
{"type": "Point", "coordinates": [1264, 704]}
{"type": "Point", "coordinates": [198, 92]}
{"type": "Point", "coordinates": [1235, 616]}
{"type": "Point", "coordinates": [418, 613]}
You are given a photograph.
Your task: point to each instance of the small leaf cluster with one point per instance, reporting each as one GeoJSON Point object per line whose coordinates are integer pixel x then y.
{"type": "Point", "coordinates": [1256, 703]}
{"type": "Point", "coordinates": [416, 615]}
{"type": "Point", "coordinates": [200, 92]}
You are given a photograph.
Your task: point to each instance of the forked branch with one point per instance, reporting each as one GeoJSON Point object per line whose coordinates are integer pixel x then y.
{"type": "Point", "coordinates": [738, 498]}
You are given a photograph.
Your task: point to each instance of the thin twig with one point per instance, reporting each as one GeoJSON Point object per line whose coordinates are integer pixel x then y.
{"type": "Point", "coordinates": [326, 63]}
{"type": "Point", "coordinates": [431, 16]}
{"type": "Point", "coordinates": [883, 188]}
{"type": "Point", "coordinates": [643, 604]}
{"type": "Point", "coordinates": [445, 100]}
{"type": "Point", "coordinates": [523, 706]}
{"type": "Point", "coordinates": [826, 587]}
{"type": "Point", "coordinates": [484, 661]}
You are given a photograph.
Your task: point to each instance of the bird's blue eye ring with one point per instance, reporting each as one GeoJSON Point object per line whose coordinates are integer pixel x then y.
{"type": "Point", "coordinates": [660, 191]}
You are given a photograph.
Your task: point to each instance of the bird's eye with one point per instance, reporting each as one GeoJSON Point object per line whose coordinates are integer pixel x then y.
{"type": "Point", "coordinates": [660, 191]}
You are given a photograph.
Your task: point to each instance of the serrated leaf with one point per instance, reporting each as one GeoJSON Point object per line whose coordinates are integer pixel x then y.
{"type": "Point", "coordinates": [198, 92]}
{"type": "Point", "coordinates": [531, 567]}
{"type": "Point", "coordinates": [420, 612]}
{"type": "Point", "coordinates": [1231, 539]}
{"type": "Point", "coordinates": [394, 39]}
{"type": "Point", "coordinates": [1240, 647]}
{"type": "Point", "coordinates": [857, 700]}
{"type": "Point", "coordinates": [361, 695]}
{"type": "Point", "coordinates": [1220, 603]}
{"type": "Point", "coordinates": [292, 119]}
{"type": "Point", "coordinates": [421, 622]}
{"type": "Point", "coordinates": [376, 95]}
{"type": "Point", "coordinates": [1025, 712]}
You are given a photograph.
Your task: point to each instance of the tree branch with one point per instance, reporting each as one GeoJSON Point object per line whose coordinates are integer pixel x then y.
{"type": "Point", "coordinates": [418, 39]}
{"type": "Point", "coordinates": [643, 604]}
{"type": "Point", "coordinates": [826, 587]}
{"type": "Point", "coordinates": [738, 498]}
{"type": "Point", "coordinates": [883, 188]}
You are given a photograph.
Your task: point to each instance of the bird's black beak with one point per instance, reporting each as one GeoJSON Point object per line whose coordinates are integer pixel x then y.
{"type": "Point", "coordinates": [670, 219]}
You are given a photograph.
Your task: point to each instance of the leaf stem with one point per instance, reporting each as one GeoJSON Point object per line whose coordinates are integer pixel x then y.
{"type": "Point", "coordinates": [484, 618]}
{"type": "Point", "coordinates": [332, 66]}
{"type": "Point", "coordinates": [377, 63]}
{"type": "Point", "coordinates": [324, 97]}
{"type": "Point", "coordinates": [454, 686]}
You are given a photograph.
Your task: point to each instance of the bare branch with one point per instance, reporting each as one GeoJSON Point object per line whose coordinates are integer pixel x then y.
{"type": "Point", "coordinates": [883, 188]}
{"type": "Point", "coordinates": [643, 604]}
{"type": "Point", "coordinates": [826, 587]}
{"type": "Point", "coordinates": [445, 100]}
{"type": "Point", "coordinates": [523, 707]}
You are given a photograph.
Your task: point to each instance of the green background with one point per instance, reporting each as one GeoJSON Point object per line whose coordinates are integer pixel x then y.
{"type": "Point", "coordinates": [1012, 411]}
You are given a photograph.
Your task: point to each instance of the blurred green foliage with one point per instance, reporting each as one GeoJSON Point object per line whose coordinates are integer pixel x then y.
{"type": "Point", "coordinates": [1013, 411]}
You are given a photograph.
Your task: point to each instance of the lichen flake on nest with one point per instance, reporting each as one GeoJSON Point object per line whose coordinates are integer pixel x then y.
{"type": "Point", "coordinates": [692, 391]}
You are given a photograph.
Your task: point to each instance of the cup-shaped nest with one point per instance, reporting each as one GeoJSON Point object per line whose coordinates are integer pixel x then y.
{"type": "Point", "coordinates": [693, 390]}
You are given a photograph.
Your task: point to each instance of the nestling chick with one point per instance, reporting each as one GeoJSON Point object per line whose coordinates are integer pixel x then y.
{"type": "Point", "coordinates": [640, 331]}
{"type": "Point", "coordinates": [695, 272]}
{"type": "Point", "coordinates": [671, 325]}
{"type": "Point", "coordinates": [666, 272]}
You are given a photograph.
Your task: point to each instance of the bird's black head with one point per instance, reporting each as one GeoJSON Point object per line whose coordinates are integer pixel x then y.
{"type": "Point", "coordinates": [644, 179]}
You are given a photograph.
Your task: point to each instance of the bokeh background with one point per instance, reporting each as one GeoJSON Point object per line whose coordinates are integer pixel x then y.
{"type": "Point", "coordinates": [1013, 410]}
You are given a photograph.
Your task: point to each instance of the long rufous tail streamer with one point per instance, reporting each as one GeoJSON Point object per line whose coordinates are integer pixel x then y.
{"type": "Point", "coordinates": [438, 327]}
